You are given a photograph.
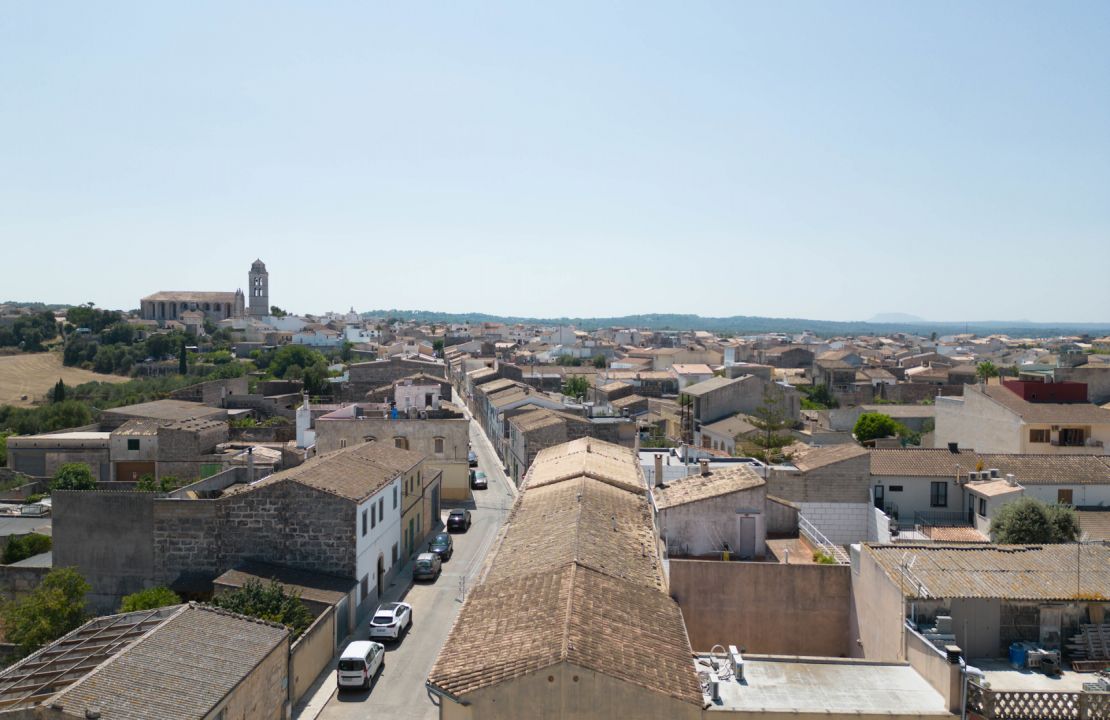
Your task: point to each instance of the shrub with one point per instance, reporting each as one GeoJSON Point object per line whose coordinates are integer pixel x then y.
{"type": "Point", "coordinates": [149, 599]}
{"type": "Point", "coordinates": [73, 476]}
{"type": "Point", "coordinates": [1030, 521]}
{"type": "Point", "coordinates": [21, 548]}
{"type": "Point", "coordinates": [267, 602]}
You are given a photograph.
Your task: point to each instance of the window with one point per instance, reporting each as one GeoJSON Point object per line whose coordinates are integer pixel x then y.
{"type": "Point", "coordinates": [364, 522]}
{"type": "Point", "coordinates": [394, 497]}
{"type": "Point", "coordinates": [381, 508]}
{"type": "Point", "coordinates": [393, 555]}
{"type": "Point", "coordinates": [1039, 436]}
{"type": "Point", "coordinates": [1072, 437]}
{"type": "Point", "coordinates": [1063, 496]}
{"type": "Point", "coordinates": [132, 443]}
{"type": "Point", "coordinates": [373, 517]}
{"type": "Point", "coordinates": [983, 507]}
{"type": "Point", "coordinates": [343, 443]}
{"type": "Point", "coordinates": [401, 442]}
{"type": "Point", "coordinates": [896, 488]}
{"type": "Point", "coordinates": [365, 585]}
{"type": "Point", "coordinates": [938, 494]}
{"type": "Point", "coordinates": [439, 446]}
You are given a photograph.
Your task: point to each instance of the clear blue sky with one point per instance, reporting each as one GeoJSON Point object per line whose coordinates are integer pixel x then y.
{"type": "Point", "coordinates": [827, 160]}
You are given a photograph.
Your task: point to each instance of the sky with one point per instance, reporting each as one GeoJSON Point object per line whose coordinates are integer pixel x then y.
{"type": "Point", "coordinates": [825, 160]}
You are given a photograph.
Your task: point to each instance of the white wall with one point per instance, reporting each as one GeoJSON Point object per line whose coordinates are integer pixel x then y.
{"type": "Point", "coordinates": [1081, 494]}
{"type": "Point", "coordinates": [379, 540]}
{"type": "Point", "coordinates": [916, 493]}
{"type": "Point", "coordinates": [976, 421]}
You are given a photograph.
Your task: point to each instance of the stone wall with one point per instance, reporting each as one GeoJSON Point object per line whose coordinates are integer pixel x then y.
{"type": "Point", "coordinates": [107, 537]}
{"type": "Point", "coordinates": [369, 375]}
{"type": "Point", "coordinates": [311, 653]}
{"type": "Point", "coordinates": [264, 693]}
{"type": "Point", "coordinates": [17, 582]}
{"type": "Point", "coordinates": [847, 481]}
{"type": "Point", "coordinates": [212, 392]}
{"type": "Point", "coordinates": [186, 537]}
{"type": "Point", "coordinates": [767, 608]}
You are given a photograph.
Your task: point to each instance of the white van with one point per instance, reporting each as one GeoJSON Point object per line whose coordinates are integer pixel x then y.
{"type": "Point", "coordinates": [359, 663]}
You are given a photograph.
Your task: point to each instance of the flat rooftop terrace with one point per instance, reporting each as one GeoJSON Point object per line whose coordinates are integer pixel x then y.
{"type": "Point", "coordinates": [1003, 677]}
{"type": "Point", "coordinates": [774, 684]}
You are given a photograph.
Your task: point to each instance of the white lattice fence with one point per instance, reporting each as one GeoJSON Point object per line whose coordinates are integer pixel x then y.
{"type": "Point", "coordinates": [1030, 705]}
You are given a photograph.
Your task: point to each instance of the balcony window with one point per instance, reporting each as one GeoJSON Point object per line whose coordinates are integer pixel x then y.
{"type": "Point", "coordinates": [938, 494]}
{"type": "Point", "coordinates": [1073, 437]}
{"type": "Point", "coordinates": [1039, 435]}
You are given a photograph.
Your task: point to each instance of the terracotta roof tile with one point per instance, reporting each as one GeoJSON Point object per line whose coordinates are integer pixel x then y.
{"type": "Point", "coordinates": [1028, 469]}
{"type": "Point", "coordinates": [701, 487]}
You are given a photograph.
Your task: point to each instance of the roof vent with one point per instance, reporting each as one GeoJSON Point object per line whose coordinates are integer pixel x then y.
{"type": "Point", "coordinates": [704, 467]}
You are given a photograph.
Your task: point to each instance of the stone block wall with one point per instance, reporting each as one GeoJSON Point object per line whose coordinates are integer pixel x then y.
{"type": "Point", "coordinates": [16, 582]}
{"type": "Point", "coordinates": [848, 481]}
{"type": "Point", "coordinates": [186, 537]}
{"type": "Point", "coordinates": [841, 523]}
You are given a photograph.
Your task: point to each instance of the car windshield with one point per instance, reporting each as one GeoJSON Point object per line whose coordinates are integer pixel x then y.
{"type": "Point", "coordinates": [423, 563]}
{"type": "Point", "coordinates": [382, 619]}
{"type": "Point", "coordinates": [457, 513]}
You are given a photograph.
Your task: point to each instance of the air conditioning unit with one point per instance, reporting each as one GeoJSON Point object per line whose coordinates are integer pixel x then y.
{"type": "Point", "coordinates": [737, 663]}
{"type": "Point", "coordinates": [714, 687]}
{"type": "Point", "coordinates": [994, 473]}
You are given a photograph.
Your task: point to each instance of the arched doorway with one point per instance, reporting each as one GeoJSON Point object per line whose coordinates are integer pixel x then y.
{"type": "Point", "coordinates": [381, 574]}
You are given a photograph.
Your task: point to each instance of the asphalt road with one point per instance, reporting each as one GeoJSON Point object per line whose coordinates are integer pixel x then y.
{"type": "Point", "coordinates": [399, 690]}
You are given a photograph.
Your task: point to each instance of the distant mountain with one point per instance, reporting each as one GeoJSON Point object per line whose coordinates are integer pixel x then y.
{"type": "Point", "coordinates": [753, 325]}
{"type": "Point", "coordinates": [897, 318]}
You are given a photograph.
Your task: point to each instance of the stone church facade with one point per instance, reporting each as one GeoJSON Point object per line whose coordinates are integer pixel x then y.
{"type": "Point", "coordinates": [172, 305]}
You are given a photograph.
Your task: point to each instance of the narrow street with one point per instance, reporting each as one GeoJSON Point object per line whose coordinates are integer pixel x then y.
{"type": "Point", "coordinates": [399, 691]}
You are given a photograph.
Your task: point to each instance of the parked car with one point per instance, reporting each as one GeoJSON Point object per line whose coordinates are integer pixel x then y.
{"type": "Point", "coordinates": [478, 480]}
{"type": "Point", "coordinates": [442, 546]}
{"type": "Point", "coordinates": [472, 458]}
{"type": "Point", "coordinates": [428, 566]}
{"type": "Point", "coordinates": [458, 520]}
{"type": "Point", "coordinates": [390, 620]}
{"type": "Point", "coordinates": [358, 664]}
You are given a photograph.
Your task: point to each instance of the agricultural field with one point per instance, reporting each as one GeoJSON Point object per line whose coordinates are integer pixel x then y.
{"type": "Point", "coordinates": [34, 374]}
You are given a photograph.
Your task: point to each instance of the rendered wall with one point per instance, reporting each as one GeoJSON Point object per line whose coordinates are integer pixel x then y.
{"type": "Point", "coordinates": [311, 653]}
{"type": "Point", "coordinates": [766, 608]}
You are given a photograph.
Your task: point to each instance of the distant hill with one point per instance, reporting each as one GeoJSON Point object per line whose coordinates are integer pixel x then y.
{"type": "Point", "coordinates": [897, 318]}
{"type": "Point", "coordinates": [752, 325]}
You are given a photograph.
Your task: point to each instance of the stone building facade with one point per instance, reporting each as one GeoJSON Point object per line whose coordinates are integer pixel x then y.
{"type": "Point", "coordinates": [172, 305]}
{"type": "Point", "coordinates": [367, 376]}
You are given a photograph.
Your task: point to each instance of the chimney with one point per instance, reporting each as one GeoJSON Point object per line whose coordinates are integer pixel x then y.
{"type": "Point", "coordinates": [704, 467]}
{"type": "Point", "coordinates": [659, 470]}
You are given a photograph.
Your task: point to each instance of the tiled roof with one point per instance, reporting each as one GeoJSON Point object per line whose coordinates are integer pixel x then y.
{"type": "Point", "coordinates": [692, 369]}
{"type": "Point", "coordinates": [808, 458]}
{"type": "Point", "coordinates": [627, 401]}
{"type": "Point", "coordinates": [730, 426]}
{"type": "Point", "coordinates": [1094, 524]}
{"type": "Point", "coordinates": [535, 419]}
{"type": "Point", "coordinates": [1037, 412]}
{"type": "Point", "coordinates": [575, 580]}
{"type": "Point", "coordinates": [599, 460]}
{"type": "Point", "coordinates": [701, 487]}
{"type": "Point", "coordinates": [181, 669]}
{"type": "Point", "coordinates": [521, 625]}
{"type": "Point", "coordinates": [354, 473]}
{"type": "Point", "coordinates": [496, 386]}
{"type": "Point", "coordinates": [190, 296]}
{"type": "Point", "coordinates": [313, 586]}
{"type": "Point", "coordinates": [1028, 469]}
{"type": "Point", "coordinates": [706, 386]}
{"type": "Point", "coordinates": [596, 525]}
{"type": "Point", "coordinates": [958, 534]}
{"type": "Point", "coordinates": [1008, 572]}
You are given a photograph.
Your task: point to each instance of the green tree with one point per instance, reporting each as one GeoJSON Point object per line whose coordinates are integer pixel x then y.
{"type": "Point", "coordinates": [600, 362]}
{"type": "Point", "coordinates": [1029, 521]}
{"type": "Point", "coordinates": [4, 448]}
{"type": "Point", "coordinates": [182, 359]}
{"type": "Point", "coordinates": [277, 312]}
{"type": "Point", "coordinates": [166, 483]}
{"type": "Point", "coordinates": [59, 391]}
{"type": "Point", "coordinates": [149, 599]}
{"type": "Point", "coordinates": [54, 608]}
{"type": "Point", "coordinates": [73, 476]}
{"type": "Point", "coordinates": [986, 370]}
{"type": "Point", "coordinates": [871, 426]}
{"type": "Point", "coordinates": [267, 602]}
{"type": "Point", "coordinates": [345, 351]}
{"type": "Point", "coordinates": [437, 346]}
{"type": "Point", "coordinates": [576, 386]}
{"type": "Point", "coordinates": [23, 547]}
{"type": "Point", "coordinates": [770, 418]}
{"type": "Point", "coordinates": [289, 355]}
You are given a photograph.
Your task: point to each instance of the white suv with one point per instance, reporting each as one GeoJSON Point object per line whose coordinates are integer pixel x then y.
{"type": "Point", "coordinates": [359, 663]}
{"type": "Point", "coordinates": [390, 619]}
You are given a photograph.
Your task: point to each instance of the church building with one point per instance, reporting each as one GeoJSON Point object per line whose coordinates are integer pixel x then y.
{"type": "Point", "coordinates": [172, 304]}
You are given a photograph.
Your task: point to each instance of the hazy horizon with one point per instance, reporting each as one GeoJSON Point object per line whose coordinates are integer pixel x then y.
{"type": "Point", "coordinates": [802, 160]}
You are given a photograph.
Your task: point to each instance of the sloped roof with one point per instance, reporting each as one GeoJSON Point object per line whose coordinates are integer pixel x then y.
{"type": "Point", "coordinates": [1028, 469]}
{"type": "Point", "coordinates": [707, 386]}
{"type": "Point", "coordinates": [730, 426]}
{"type": "Point", "coordinates": [354, 473]}
{"type": "Point", "coordinates": [1039, 412]}
{"type": "Point", "coordinates": [313, 586]}
{"type": "Point", "coordinates": [808, 458]}
{"type": "Point", "coordinates": [514, 627]}
{"type": "Point", "coordinates": [588, 457]}
{"type": "Point", "coordinates": [599, 526]}
{"type": "Point", "coordinates": [1008, 572]}
{"type": "Point", "coordinates": [535, 420]}
{"type": "Point", "coordinates": [696, 487]}
{"type": "Point", "coordinates": [179, 669]}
